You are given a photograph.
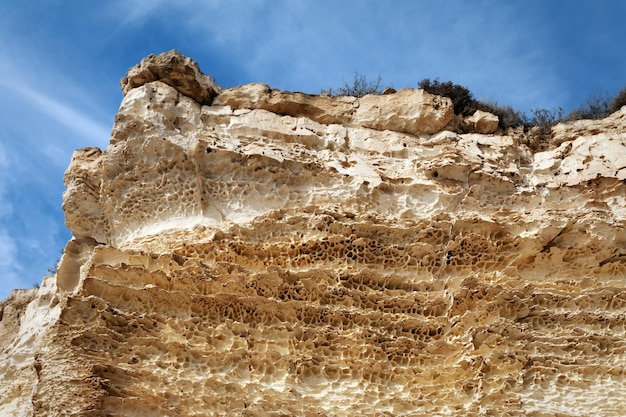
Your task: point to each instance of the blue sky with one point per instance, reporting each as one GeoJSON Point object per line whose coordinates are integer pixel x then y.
{"type": "Point", "coordinates": [61, 60]}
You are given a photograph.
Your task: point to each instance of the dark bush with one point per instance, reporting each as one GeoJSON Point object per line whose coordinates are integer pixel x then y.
{"type": "Point", "coordinates": [360, 87]}
{"type": "Point", "coordinates": [618, 102]}
{"type": "Point", "coordinates": [465, 105]}
{"type": "Point", "coordinates": [508, 117]}
{"type": "Point", "coordinates": [599, 105]}
{"type": "Point", "coordinates": [461, 96]}
{"type": "Point", "coordinates": [596, 107]}
{"type": "Point", "coordinates": [544, 119]}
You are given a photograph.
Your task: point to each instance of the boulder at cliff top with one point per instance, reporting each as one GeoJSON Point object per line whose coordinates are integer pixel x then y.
{"type": "Point", "coordinates": [176, 70]}
{"type": "Point", "coordinates": [279, 253]}
{"type": "Point", "coordinates": [483, 122]}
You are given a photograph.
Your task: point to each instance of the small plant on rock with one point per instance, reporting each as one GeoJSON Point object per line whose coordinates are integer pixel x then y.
{"type": "Point", "coordinates": [618, 102]}
{"type": "Point", "coordinates": [544, 119]}
{"type": "Point", "coordinates": [596, 107]}
{"type": "Point", "coordinates": [360, 87]}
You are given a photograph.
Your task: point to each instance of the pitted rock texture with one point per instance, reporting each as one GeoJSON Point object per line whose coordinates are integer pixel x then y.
{"type": "Point", "coordinates": [284, 254]}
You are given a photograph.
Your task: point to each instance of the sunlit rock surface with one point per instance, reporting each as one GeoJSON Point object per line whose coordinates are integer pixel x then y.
{"type": "Point", "coordinates": [279, 253]}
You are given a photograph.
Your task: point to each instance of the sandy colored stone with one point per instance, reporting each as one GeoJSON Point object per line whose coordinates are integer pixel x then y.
{"type": "Point", "coordinates": [12, 313]}
{"type": "Point", "coordinates": [322, 109]}
{"type": "Point", "coordinates": [285, 254]}
{"type": "Point", "coordinates": [613, 124]}
{"type": "Point", "coordinates": [409, 110]}
{"type": "Point", "coordinates": [483, 122]}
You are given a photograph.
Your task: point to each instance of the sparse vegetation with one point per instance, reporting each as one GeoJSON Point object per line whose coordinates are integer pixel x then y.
{"type": "Point", "coordinates": [618, 102]}
{"type": "Point", "coordinates": [540, 121]}
{"type": "Point", "coordinates": [53, 269]}
{"type": "Point", "coordinates": [596, 107]}
{"type": "Point", "coordinates": [544, 119]}
{"type": "Point", "coordinates": [360, 87]}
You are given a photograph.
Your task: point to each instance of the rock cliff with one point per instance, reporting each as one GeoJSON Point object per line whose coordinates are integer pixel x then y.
{"type": "Point", "coordinates": [265, 253]}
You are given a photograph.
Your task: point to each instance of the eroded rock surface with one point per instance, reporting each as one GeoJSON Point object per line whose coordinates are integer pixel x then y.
{"type": "Point", "coordinates": [407, 111]}
{"type": "Point", "coordinates": [278, 253]}
{"type": "Point", "coordinates": [176, 70]}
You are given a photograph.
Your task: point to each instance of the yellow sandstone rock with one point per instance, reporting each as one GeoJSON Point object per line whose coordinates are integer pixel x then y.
{"type": "Point", "coordinates": [483, 122]}
{"type": "Point", "coordinates": [266, 253]}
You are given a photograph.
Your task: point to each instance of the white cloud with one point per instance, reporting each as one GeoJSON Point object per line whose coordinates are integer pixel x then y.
{"type": "Point", "coordinates": [8, 250]}
{"type": "Point", "coordinates": [5, 173]}
{"type": "Point", "coordinates": [495, 49]}
{"type": "Point", "coordinates": [47, 109]}
{"type": "Point", "coordinates": [4, 157]}
{"type": "Point", "coordinates": [136, 12]}
{"type": "Point", "coordinates": [31, 74]}
{"type": "Point", "coordinates": [64, 114]}
{"type": "Point", "coordinates": [9, 269]}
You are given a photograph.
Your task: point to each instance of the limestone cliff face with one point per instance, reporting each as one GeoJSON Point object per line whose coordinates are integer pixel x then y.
{"type": "Point", "coordinates": [257, 252]}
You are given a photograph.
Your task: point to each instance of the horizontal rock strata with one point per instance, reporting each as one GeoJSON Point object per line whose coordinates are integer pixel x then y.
{"type": "Point", "coordinates": [271, 253]}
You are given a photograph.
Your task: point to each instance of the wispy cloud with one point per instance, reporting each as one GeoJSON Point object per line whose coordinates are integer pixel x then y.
{"type": "Point", "coordinates": [496, 49]}
{"type": "Point", "coordinates": [8, 249]}
{"type": "Point", "coordinates": [5, 174]}
{"type": "Point", "coordinates": [9, 270]}
{"type": "Point", "coordinates": [30, 74]}
{"type": "Point", "coordinates": [66, 115]}
{"type": "Point", "coordinates": [45, 113]}
{"type": "Point", "coordinates": [9, 267]}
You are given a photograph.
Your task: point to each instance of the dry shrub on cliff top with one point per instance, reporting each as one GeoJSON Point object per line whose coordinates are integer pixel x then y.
{"type": "Point", "coordinates": [540, 121]}
{"type": "Point", "coordinates": [544, 119]}
{"type": "Point", "coordinates": [360, 87]}
{"type": "Point", "coordinates": [596, 107]}
{"type": "Point", "coordinates": [618, 102]}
